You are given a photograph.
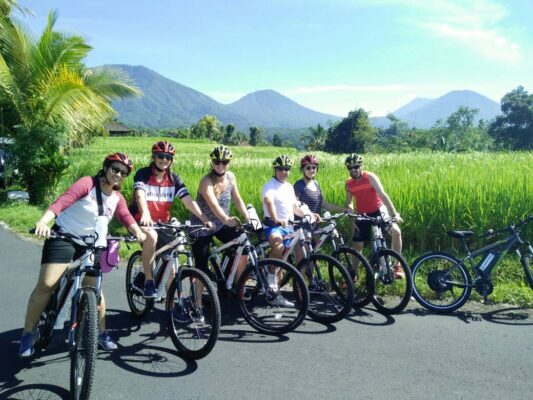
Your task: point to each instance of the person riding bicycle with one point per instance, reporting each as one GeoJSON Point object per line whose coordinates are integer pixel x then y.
{"type": "Point", "coordinates": [215, 192]}
{"type": "Point", "coordinates": [155, 188]}
{"type": "Point", "coordinates": [365, 193]}
{"type": "Point", "coordinates": [279, 207]}
{"type": "Point", "coordinates": [75, 213]}
{"type": "Point", "coordinates": [308, 190]}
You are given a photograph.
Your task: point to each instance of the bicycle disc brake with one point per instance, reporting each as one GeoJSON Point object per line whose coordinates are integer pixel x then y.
{"type": "Point", "coordinates": [437, 281]}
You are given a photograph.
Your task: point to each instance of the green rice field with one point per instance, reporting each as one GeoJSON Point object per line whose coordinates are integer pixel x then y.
{"type": "Point", "coordinates": [434, 192]}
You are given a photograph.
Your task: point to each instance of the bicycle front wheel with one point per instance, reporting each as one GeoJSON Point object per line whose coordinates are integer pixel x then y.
{"type": "Point", "coordinates": [440, 282]}
{"type": "Point", "coordinates": [268, 307]}
{"type": "Point", "coordinates": [83, 351]}
{"type": "Point", "coordinates": [193, 313]}
{"type": "Point", "coordinates": [139, 306]}
{"type": "Point", "coordinates": [394, 282]}
{"type": "Point", "coordinates": [330, 288]}
{"type": "Point", "coordinates": [361, 274]}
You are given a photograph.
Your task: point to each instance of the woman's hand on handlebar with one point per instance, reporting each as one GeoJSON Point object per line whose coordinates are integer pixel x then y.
{"type": "Point", "coordinates": [232, 222]}
{"type": "Point", "coordinates": [42, 229]}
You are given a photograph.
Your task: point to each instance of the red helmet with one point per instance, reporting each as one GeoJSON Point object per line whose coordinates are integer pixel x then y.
{"type": "Point", "coordinates": [163, 147]}
{"type": "Point", "coordinates": [308, 159]}
{"type": "Point", "coordinates": [119, 157]}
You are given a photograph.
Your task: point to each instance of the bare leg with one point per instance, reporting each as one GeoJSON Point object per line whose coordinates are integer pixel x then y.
{"type": "Point", "coordinates": [396, 234]}
{"type": "Point", "coordinates": [148, 252]}
{"type": "Point", "coordinates": [49, 276]}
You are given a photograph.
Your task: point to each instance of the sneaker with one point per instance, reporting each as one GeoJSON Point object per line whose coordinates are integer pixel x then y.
{"type": "Point", "coordinates": [281, 301]}
{"type": "Point", "coordinates": [149, 290]}
{"type": "Point", "coordinates": [26, 348]}
{"type": "Point", "coordinates": [271, 279]}
{"type": "Point", "coordinates": [179, 314]}
{"type": "Point", "coordinates": [399, 273]}
{"type": "Point", "coordinates": [105, 342]}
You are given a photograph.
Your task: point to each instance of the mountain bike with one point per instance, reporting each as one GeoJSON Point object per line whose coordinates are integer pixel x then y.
{"type": "Point", "coordinates": [331, 294]}
{"type": "Point", "coordinates": [191, 300]}
{"type": "Point", "coordinates": [268, 307]}
{"type": "Point", "coordinates": [392, 293]}
{"type": "Point", "coordinates": [81, 302]}
{"type": "Point", "coordinates": [362, 275]}
{"type": "Point", "coordinates": [442, 282]}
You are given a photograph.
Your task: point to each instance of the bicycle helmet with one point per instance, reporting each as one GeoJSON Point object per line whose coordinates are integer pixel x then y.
{"type": "Point", "coordinates": [282, 161]}
{"type": "Point", "coordinates": [118, 157]}
{"type": "Point", "coordinates": [163, 147]}
{"type": "Point", "coordinates": [353, 158]}
{"type": "Point", "coordinates": [221, 153]}
{"type": "Point", "coordinates": [308, 159]}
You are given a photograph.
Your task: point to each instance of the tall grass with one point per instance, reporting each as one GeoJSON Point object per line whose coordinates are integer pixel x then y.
{"type": "Point", "coordinates": [434, 192]}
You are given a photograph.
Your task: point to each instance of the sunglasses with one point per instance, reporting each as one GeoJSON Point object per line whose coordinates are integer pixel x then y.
{"type": "Point", "coordinates": [356, 166]}
{"type": "Point", "coordinates": [286, 169]}
{"type": "Point", "coordinates": [120, 172]}
{"type": "Point", "coordinates": [223, 162]}
{"type": "Point", "coordinates": [165, 157]}
{"type": "Point", "coordinates": [310, 168]}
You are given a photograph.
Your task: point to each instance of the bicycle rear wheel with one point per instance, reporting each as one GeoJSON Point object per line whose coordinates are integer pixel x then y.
{"type": "Point", "coordinates": [274, 309]}
{"type": "Point", "coordinates": [526, 263]}
{"type": "Point", "coordinates": [330, 288]}
{"type": "Point", "coordinates": [83, 351]}
{"type": "Point", "coordinates": [440, 282]}
{"type": "Point", "coordinates": [139, 306]}
{"type": "Point", "coordinates": [392, 291]}
{"type": "Point", "coordinates": [193, 314]}
{"type": "Point", "coordinates": [361, 275]}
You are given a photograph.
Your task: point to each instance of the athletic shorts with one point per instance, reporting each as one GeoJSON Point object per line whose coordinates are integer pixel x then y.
{"type": "Point", "coordinates": [60, 251]}
{"type": "Point", "coordinates": [363, 229]}
{"type": "Point", "coordinates": [280, 230]}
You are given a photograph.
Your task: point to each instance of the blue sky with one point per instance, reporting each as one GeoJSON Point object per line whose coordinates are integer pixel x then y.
{"type": "Point", "coordinates": [332, 55]}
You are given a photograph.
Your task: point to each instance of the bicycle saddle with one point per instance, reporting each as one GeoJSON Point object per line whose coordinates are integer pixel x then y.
{"type": "Point", "coordinates": [460, 234]}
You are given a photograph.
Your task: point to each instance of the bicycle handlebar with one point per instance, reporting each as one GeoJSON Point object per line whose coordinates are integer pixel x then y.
{"type": "Point", "coordinates": [492, 232]}
{"type": "Point", "coordinates": [68, 236]}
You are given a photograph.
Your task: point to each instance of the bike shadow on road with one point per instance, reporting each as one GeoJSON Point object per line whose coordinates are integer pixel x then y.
{"type": "Point", "coordinates": [35, 391]}
{"type": "Point", "coordinates": [235, 329]}
{"type": "Point", "coordinates": [370, 317]}
{"type": "Point", "coordinates": [518, 316]}
{"type": "Point", "coordinates": [151, 354]}
{"type": "Point", "coordinates": [11, 364]}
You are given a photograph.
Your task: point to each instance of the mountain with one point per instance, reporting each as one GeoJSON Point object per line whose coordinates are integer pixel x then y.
{"type": "Point", "coordinates": [429, 111]}
{"type": "Point", "coordinates": [168, 104]}
{"type": "Point", "coordinates": [268, 108]}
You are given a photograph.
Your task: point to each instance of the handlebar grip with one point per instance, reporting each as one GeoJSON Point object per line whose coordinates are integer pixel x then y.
{"type": "Point", "coordinates": [32, 230]}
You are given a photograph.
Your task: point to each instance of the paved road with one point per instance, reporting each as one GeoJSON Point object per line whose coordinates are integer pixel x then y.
{"type": "Point", "coordinates": [485, 353]}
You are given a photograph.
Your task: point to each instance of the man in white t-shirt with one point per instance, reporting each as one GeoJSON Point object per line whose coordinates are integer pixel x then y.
{"type": "Point", "coordinates": [279, 206]}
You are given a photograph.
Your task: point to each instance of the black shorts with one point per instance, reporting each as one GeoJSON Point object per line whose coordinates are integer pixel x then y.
{"type": "Point", "coordinates": [60, 251]}
{"type": "Point", "coordinates": [362, 232]}
{"type": "Point", "coordinates": [164, 237]}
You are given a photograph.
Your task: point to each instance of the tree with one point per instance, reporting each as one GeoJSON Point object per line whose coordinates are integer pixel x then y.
{"type": "Point", "coordinates": [459, 133]}
{"type": "Point", "coordinates": [46, 90]}
{"type": "Point", "coordinates": [208, 127]}
{"type": "Point", "coordinates": [276, 140]}
{"type": "Point", "coordinates": [514, 129]}
{"type": "Point", "coordinates": [229, 131]}
{"type": "Point", "coordinates": [256, 136]}
{"type": "Point", "coordinates": [353, 134]}
{"type": "Point", "coordinates": [315, 138]}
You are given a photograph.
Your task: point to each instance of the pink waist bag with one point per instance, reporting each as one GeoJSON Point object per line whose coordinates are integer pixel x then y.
{"type": "Point", "coordinates": [109, 258]}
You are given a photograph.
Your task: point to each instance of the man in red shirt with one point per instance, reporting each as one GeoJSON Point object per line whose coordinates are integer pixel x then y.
{"type": "Point", "coordinates": [155, 188]}
{"type": "Point", "coordinates": [365, 193]}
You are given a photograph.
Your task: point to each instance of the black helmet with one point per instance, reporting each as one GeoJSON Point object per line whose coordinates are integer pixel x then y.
{"type": "Point", "coordinates": [282, 161]}
{"type": "Point", "coordinates": [221, 153]}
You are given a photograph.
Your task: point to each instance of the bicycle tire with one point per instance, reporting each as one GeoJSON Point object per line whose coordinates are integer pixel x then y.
{"type": "Point", "coordinates": [330, 288]}
{"type": "Point", "coordinates": [526, 264]}
{"type": "Point", "coordinates": [139, 306]}
{"type": "Point", "coordinates": [432, 287]}
{"type": "Point", "coordinates": [362, 279]}
{"type": "Point", "coordinates": [193, 330]}
{"type": "Point", "coordinates": [258, 303]}
{"type": "Point", "coordinates": [84, 349]}
{"type": "Point", "coordinates": [45, 326]}
{"type": "Point", "coordinates": [392, 294]}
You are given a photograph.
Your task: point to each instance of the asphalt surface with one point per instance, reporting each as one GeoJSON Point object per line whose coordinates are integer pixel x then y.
{"type": "Point", "coordinates": [479, 352]}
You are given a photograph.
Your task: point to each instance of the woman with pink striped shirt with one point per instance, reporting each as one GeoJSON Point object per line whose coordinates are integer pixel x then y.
{"type": "Point", "coordinates": [75, 212]}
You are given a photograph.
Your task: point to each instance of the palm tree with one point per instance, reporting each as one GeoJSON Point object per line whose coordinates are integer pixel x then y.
{"type": "Point", "coordinates": [46, 91]}
{"type": "Point", "coordinates": [315, 138]}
